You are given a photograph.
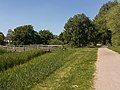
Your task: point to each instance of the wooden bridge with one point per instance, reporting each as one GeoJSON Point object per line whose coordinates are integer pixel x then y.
{"type": "Point", "coordinates": [21, 48]}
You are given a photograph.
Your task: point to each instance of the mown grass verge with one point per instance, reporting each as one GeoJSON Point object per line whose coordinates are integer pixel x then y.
{"type": "Point", "coordinates": [9, 60]}
{"type": "Point", "coordinates": [76, 68]}
{"type": "Point", "coordinates": [115, 48]}
{"type": "Point", "coordinates": [77, 74]}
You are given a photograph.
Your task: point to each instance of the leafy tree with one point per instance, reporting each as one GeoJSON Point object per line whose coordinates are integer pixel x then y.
{"type": "Point", "coordinates": [10, 32]}
{"type": "Point", "coordinates": [2, 37]}
{"type": "Point", "coordinates": [9, 35]}
{"type": "Point", "coordinates": [113, 23]}
{"type": "Point", "coordinates": [94, 35]}
{"type": "Point", "coordinates": [60, 37]}
{"type": "Point", "coordinates": [101, 21]}
{"type": "Point", "coordinates": [25, 35]}
{"type": "Point", "coordinates": [106, 37]}
{"type": "Point", "coordinates": [55, 42]}
{"type": "Point", "coordinates": [46, 35]}
{"type": "Point", "coordinates": [79, 31]}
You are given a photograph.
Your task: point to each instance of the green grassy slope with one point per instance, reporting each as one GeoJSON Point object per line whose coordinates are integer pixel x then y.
{"type": "Point", "coordinates": [9, 60]}
{"type": "Point", "coordinates": [77, 74]}
{"type": "Point", "coordinates": [2, 51]}
{"type": "Point", "coordinates": [60, 70]}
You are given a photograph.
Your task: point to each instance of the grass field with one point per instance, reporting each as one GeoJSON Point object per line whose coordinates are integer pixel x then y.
{"type": "Point", "coordinates": [71, 69]}
{"type": "Point", "coordinates": [77, 74]}
{"type": "Point", "coordinates": [9, 60]}
{"type": "Point", "coordinates": [115, 48]}
{"type": "Point", "coordinates": [2, 51]}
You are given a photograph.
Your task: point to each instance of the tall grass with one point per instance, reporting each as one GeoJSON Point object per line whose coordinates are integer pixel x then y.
{"type": "Point", "coordinates": [26, 76]}
{"type": "Point", "coordinates": [2, 51]}
{"type": "Point", "coordinates": [76, 74]}
{"type": "Point", "coordinates": [78, 68]}
{"type": "Point", "coordinates": [9, 60]}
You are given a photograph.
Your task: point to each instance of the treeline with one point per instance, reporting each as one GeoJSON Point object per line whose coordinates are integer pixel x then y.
{"type": "Point", "coordinates": [108, 19]}
{"type": "Point", "coordinates": [104, 29]}
{"type": "Point", "coordinates": [26, 35]}
{"type": "Point", "coordinates": [79, 30]}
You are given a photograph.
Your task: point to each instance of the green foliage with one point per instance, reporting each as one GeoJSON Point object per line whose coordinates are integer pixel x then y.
{"type": "Point", "coordinates": [101, 21]}
{"type": "Point", "coordinates": [62, 70]}
{"type": "Point", "coordinates": [113, 23]}
{"type": "Point", "coordinates": [46, 35]}
{"type": "Point", "coordinates": [10, 32]}
{"type": "Point", "coordinates": [26, 76]}
{"type": "Point", "coordinates": [2, 51]}
{"type": "Point", "coordinates": [55, 42]}
{"type": "Point", "coordinates": [76, 74]}
{"type": "Point", "coordinates": [60, 37]}
{"type": "Point", "coordinates": [25, 35]}
{"type": "Point", "coordinates": [2, 37]}
{"type": "Point", "coordinates": [80, 31]}
{"type": "Point", "coordinates": [10, 60]}
{"type": "Point", "coordinates": [106, 37]}
{"type": "Point", "coordinates": [9, 35]}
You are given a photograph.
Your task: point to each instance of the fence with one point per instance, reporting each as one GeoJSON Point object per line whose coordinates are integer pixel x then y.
{"type": "Point", "coordinates": [21, 48]}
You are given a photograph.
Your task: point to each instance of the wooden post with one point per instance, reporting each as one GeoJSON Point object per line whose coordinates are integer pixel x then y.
{"type": "Point", "coordinates": [48, 48]}
{"type": "Point", "coordinates": [24, 47]}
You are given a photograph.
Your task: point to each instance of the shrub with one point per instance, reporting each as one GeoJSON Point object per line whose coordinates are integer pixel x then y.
{"type": "Point", "coordinates": [55, 42]}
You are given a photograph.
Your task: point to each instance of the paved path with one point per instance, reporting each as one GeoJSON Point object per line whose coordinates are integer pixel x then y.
{"type": "Point", "coordinates": [108, 70]}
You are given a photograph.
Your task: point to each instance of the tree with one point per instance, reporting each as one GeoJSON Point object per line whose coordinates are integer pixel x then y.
{"type": "Point", "coordinates": [46, 35]}
{"type": "Point", "coordinates": [113, 23]}
{"type": "Point", "coordinates": [10, 32]}
{"type": "Point", "coordinates": [2, 37]}
{"type": "Point", "coordinates": [25, 35]}
{"type": "Point", "coordinates": [9, 36]}
{"type": "Point", "coordinates": [36, 38]}
{"type": "Point", "coordinates": [94, 35]}
{"type": "Point", "coordinates": [60, 37]}
{"type": "Point", "coordinates": [106, 37]}
{"type": "Point", "coordinates": [55, 42]}
{"type": "Point", "coordinates": [101, 21]}
{"type": "Point", "coordinates": [78, 30]}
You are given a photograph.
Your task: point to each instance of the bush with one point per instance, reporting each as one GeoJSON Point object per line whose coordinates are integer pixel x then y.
{"type": "Point", "coordinates": [55, 42]}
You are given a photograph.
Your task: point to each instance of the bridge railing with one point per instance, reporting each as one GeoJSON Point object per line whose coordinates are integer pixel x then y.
{"type": "Point", "coordinates": [21, 48]}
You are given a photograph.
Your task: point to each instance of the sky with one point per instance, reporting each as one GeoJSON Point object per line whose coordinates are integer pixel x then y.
{"type": "Point", "coordinates": [44, 14]}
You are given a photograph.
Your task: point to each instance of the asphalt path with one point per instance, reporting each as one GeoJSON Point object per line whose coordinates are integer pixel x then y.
{"type": "Point", "coordinates": [107, 70]}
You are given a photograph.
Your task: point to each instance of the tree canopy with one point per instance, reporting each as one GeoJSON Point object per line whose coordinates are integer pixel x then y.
{"type": "Point", "coordinates": [113, 23]}
{"type": "Point", "coordinates": [2, 38]}
{"type": "Point", "coordinates": [55, 42]}
{"type": "Point", "coordinates": [46, 35]}
{"type": "Point", "coordinates": [101, 21]}
{"type": "Point", "coordinates": [25, 35]}
{"type": "Point", "coordinates": [80, 31]}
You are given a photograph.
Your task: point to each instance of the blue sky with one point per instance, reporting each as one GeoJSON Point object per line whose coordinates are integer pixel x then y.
{"type": "Point", "coordinates": [44, 14]}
